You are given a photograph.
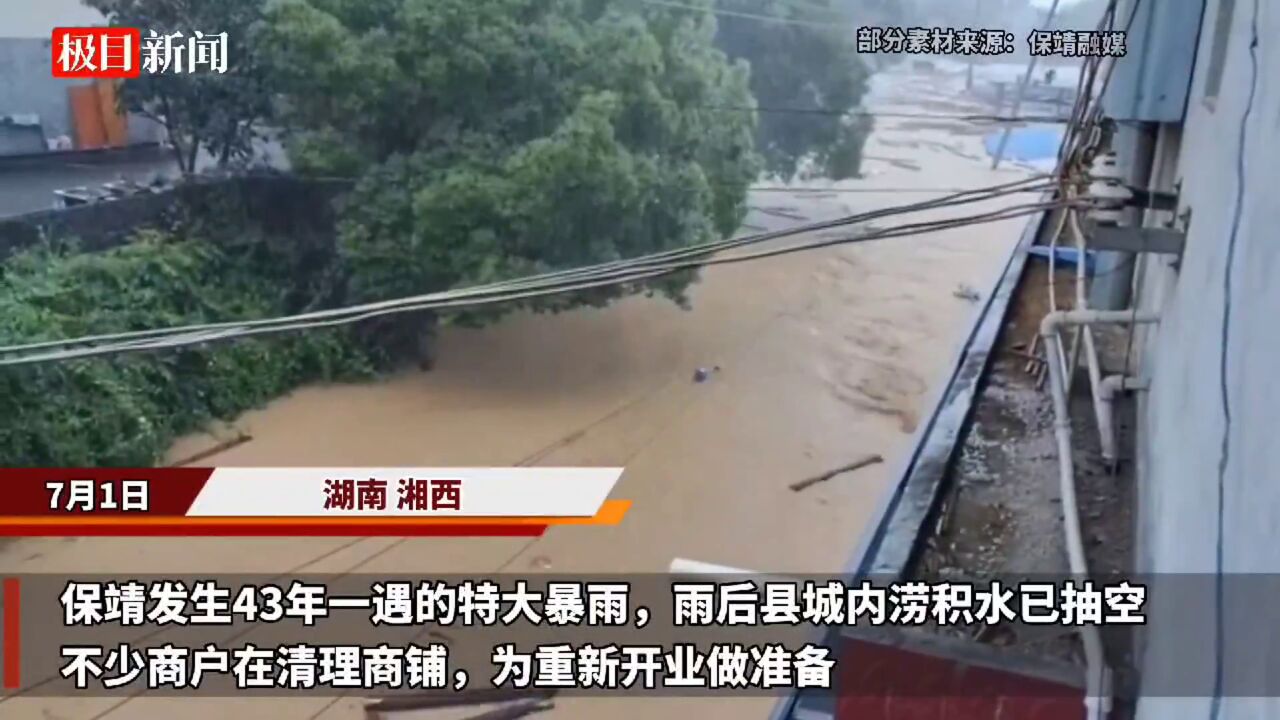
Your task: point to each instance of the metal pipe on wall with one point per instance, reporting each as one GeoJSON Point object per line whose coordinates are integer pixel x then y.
{"type": "Point", "coordinates": [1111, 386]}
{"type": "Point", "coordinates": [1098, 676]}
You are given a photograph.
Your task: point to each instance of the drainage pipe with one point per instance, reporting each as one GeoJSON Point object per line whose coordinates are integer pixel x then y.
{"type": "Point", "coordinates": [1111, 386]}
{"type": "Point", "coordinates": [1084, 336]}
{"type": "Point", "coordinates": [1072, 318]}
{"type": "Point", "coordinates": [1098, 677]}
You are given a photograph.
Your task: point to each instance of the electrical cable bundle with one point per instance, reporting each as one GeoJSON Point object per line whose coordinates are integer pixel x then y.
{"type": "Point", "coordinates": [1081, 138]}
{"type": "Point", "coordinates": [614, 273]}
{"type": "Point", "coordinates": [1079, 147]}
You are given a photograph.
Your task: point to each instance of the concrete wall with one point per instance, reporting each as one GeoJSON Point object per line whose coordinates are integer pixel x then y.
{"type": "Point", "coordinates": [38, 18]}
{"type": "Point", "coordinates": [297, 217]}
{"type": "Point", "coordinates": [20, 139]}
{"type": "Point", "coordinates": [27, 86]}
{"type": "Point", "coordinates": [1191, 513]}
{"type": "Point", "coordinates": [286, 209]}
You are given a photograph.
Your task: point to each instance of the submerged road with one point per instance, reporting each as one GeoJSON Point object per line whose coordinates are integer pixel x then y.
{"type": "Point", "coordinates": [825, 356]}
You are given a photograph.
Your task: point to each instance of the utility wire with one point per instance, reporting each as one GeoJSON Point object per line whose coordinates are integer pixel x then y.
{"type": "Point", "coordinates": [657, 271]}
{"type": "Point", "coordinates": [181, 340]}
{"type": "Point", "coordinates": [617, 273]}
{"type": "Point", "coordinates": [975, 117]}
{"type": "Point", "coordinates": [810, 6]}
{"type": "Point", "coordinates": [745, 15]}
{"type": "Point", "coordinates": [549, 279]}
{"type": "Point", "coordinates": [959, 198]}
{"type": "Point", "coordinates": [835, 190]}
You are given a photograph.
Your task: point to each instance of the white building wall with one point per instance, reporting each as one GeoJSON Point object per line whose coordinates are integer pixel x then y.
{"type": "Point", "coordinates": [1192, 519]}
{"type": "Point", "coordinates": [27, 85]}
{"type": "Point", "coordinates": [38, 18]}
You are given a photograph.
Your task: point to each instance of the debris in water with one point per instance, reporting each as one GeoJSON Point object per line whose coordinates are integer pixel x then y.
{"type": "Point", "coordinates": [810, 482]}
{"type": "Point", "coordinates": [221, 447]}
{"type": "Point", "coordinates": [516, 710]}
{"type": "Point", "coordinates": [1031, 359]}
{"type": "Point", "coordinates": [964, 292]}
{"type": "Point", "coordinates": [447, 640]}
{"type": "Point", "coordinates": [438, 700]}
{"type": "Point", "coordinates": [703, 374]}
{"type": "Point", "coordinates": [781, 212]}
{"type": "Point", "coordinates": [1031, 367]}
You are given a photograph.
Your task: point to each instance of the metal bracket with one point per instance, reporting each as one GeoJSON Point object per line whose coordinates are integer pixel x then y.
{"type": "Point", "coordinates": [1153, 199]}
{"type": "Point", "coordinates": [1183, 219]}
{"type": "Point", "coordinates": [1137, 240]}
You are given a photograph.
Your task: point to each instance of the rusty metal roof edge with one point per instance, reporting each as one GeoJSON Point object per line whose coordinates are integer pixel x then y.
{"type": "Point", "coordinates": [888, 547]}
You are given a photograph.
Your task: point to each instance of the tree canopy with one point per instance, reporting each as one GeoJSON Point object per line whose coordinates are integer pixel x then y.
{"type": "Point", "coordinates": [219, 113]}
{"type": "Point", "coordinates": [497, 138]}
{"type": "Point", "coordinates": [805, 78]}
{"type": "Point", "coordinates": [491, 139]}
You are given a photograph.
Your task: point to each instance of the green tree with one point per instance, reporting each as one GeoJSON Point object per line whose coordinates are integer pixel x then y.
{"type": "Point", "coordinates": [811, 66]}
{"type": "Point", "coordinates": [127, 410]}
{"type": "Point", "coordinates": [220, 113]}
{"type": "Point", "coordinates": [497, 138]}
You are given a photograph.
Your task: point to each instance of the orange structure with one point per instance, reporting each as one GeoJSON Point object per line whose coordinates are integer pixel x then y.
{"type": "Point", "coordinates": [96, 117]}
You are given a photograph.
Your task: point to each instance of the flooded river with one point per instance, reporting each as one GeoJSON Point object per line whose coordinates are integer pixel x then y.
{"type": "Point", "coordinates": [824, 357]}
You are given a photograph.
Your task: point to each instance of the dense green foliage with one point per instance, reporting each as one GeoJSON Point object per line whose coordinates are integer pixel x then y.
{"type": "Point", "coordinates": [496, 138]}
{"type": "Point", "coordinates": [801, 66]}
{"type": "Point", "coordinates": [489, 139]}
{"type": "Point", "coordinates": [218, 113]}
{"type": "Point", "coordinates": [128, 410]}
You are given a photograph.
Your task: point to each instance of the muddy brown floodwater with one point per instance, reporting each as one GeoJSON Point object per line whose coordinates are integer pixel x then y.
{"type": "Point", "coordinates": [825, 356]}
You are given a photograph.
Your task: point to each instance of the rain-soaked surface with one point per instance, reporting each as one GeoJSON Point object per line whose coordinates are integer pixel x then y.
{"type": "Point", "coordinates": [824, 357]}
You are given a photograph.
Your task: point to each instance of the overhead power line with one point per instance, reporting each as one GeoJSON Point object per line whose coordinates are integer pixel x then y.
{"type": "Point", "coordinates": [551, 278]}
{"type": "Point", "coordinates": [573, 280]}
{"type": "Point", "coordinates": [973, 117]}
{"type": "Point", "coordinates": [1040, 182]}
{"type": "Point", "coordinates": [860, 190]}
{"type": "Point", "coordinates": [745, 15]}
{"type": "Point", "coordinates": [813, 6]}
{"type": "Point", "coordinates": [592, 284]}
{"type": "Point", "coordinates": [516, 295]}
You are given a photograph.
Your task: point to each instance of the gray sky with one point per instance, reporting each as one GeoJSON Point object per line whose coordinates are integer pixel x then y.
{"type": "Point", "coordinates": [38, 18]}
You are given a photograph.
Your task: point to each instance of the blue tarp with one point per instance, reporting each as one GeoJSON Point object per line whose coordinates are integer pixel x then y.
{"type": "Point", "coordinates": [1064, 256]}
{"type": "Point", "coordinates": [1027, 144]}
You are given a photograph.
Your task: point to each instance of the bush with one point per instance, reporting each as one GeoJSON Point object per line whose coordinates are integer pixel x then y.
{"type": "Point", "coordinates": [127, 410]}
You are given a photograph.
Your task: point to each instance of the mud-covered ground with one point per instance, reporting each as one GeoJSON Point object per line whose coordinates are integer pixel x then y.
{"type": "Point", "coordinates": [1001, 516]}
